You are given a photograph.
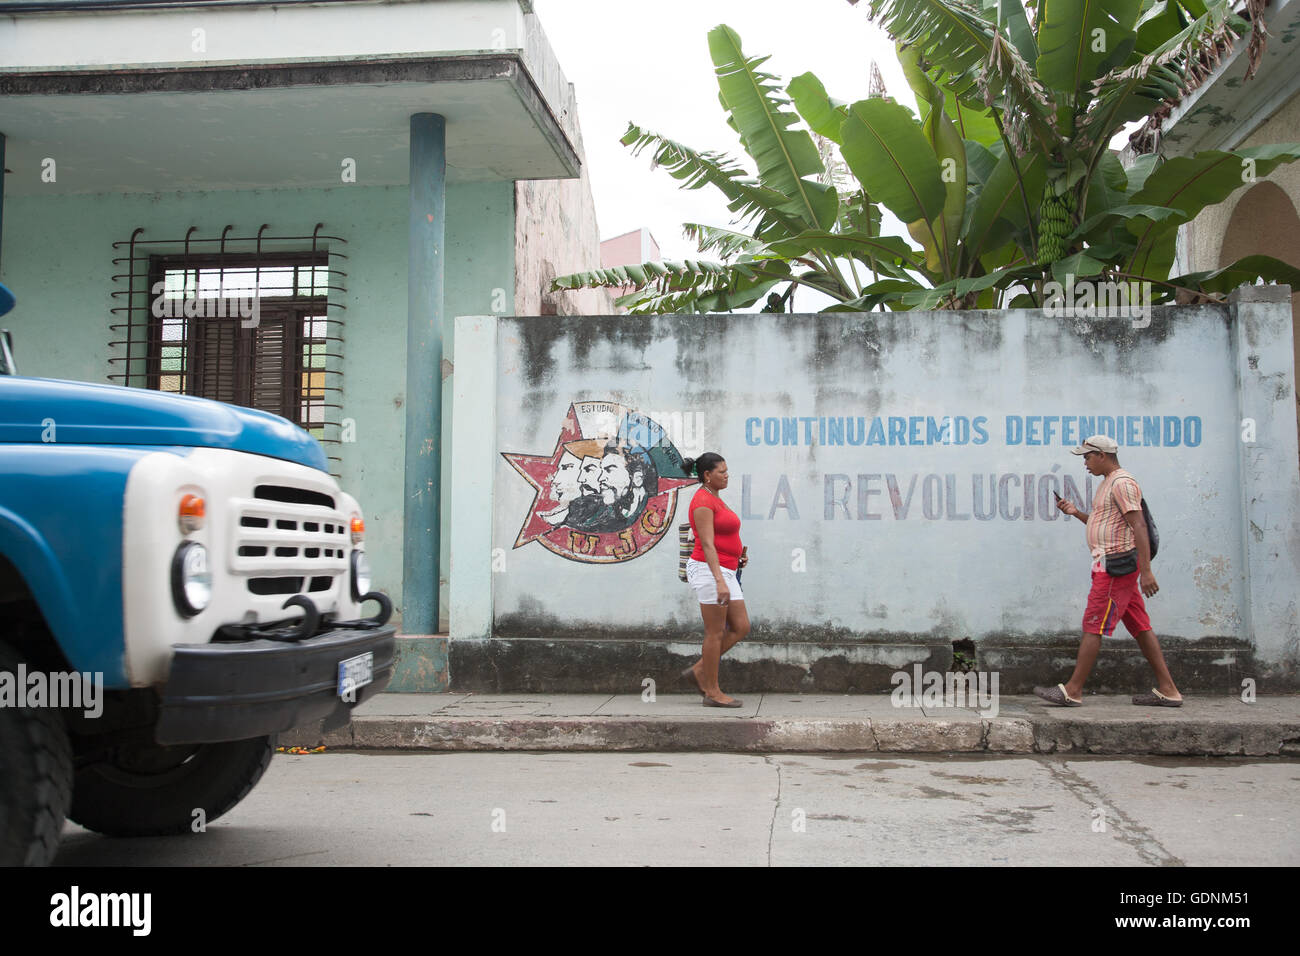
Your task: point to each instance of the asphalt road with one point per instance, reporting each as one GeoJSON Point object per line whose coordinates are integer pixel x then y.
{"type": "Point", "coordinates": [495, 809]}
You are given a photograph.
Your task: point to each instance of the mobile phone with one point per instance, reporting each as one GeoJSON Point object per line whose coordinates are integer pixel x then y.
{"type": "Point", "coordinates": [1058, 497]}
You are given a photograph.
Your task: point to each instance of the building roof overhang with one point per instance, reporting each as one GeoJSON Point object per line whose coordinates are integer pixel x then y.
{"type": "Point", "coordinates": [249, 122]}
{"type": "Point", "coordinates": [1224, 110]}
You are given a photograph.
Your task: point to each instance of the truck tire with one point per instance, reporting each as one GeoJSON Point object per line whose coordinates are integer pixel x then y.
{"type": "Point", "coordinates": [147, 789]}
{"type": "Point", "coordinates": [35, 779]}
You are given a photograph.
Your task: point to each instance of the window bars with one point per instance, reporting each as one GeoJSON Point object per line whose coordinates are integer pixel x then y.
{"type": "Point", "coordinates": [246, 320]}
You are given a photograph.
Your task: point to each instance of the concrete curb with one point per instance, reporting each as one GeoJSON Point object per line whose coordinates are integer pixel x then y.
{"type": "Point", "coordinates": [1020, 734]}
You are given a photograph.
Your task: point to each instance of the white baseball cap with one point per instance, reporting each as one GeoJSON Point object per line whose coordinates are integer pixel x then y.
{"type": "Point", "coordinates": [1096, 443]}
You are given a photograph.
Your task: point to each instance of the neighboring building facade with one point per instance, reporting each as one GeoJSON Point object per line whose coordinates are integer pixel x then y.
{"type": "Point", "coordinates": [373, 169]}
{"type": "Point", "coordinates": [1228, 111]}
{"type": "Point", "coordinates": [631, 248]}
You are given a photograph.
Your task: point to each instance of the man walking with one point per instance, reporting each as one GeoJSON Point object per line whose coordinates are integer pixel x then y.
{"type": "Point", "coordinates": [1117, 537]}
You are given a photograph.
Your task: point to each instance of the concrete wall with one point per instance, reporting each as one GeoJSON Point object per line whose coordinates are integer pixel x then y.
{"type": "Point", "coordinates": [874, 541]}
{"type": "Point", "coordinates": [57, 260]}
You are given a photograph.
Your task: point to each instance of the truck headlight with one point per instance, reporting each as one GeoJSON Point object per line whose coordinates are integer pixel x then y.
{"type": "Point", "coordinates": [191, 579]}
{"type": "Point", "coordinates": [360, 575]}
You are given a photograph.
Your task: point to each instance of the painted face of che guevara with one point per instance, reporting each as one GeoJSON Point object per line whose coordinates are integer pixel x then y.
{"type": "Point", "coordinates": [614, 479]}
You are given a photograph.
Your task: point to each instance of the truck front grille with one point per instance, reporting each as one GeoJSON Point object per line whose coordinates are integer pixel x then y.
{"type": "Point", "coordinates": [289, 541]}
{"type": "Point", "coordinates": [298, 496]}
{"type": "Point", "coordinates": [289, 585]}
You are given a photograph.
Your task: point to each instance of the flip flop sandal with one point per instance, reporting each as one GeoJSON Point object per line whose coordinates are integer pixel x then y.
{"type": "Point", "coordinates": [1156, 699]}
{"type": "Point", "coordinates": [1056, 695]}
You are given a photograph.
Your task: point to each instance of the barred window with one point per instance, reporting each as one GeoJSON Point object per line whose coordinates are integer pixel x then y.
{"type": "Point", "coordinates": [249, 328]}
{"type": "Point", "coordinates": [250, 333]}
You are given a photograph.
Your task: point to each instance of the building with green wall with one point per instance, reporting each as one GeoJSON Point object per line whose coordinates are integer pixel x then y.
{"type": "Point", "coordinates": [396, 159]}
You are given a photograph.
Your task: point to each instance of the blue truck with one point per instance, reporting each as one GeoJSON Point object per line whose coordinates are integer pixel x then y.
{"type": "Point", "coordinates": [180, 581]}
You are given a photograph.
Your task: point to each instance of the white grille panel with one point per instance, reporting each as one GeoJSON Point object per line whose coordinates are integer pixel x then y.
{"type": "Point", "coordinates": [277, 539]}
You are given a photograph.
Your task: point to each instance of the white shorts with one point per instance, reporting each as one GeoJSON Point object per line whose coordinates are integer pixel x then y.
{"type": "Point", "coordinates": [700, 577]}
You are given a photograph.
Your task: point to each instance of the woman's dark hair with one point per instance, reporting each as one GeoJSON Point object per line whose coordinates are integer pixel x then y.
{"type": "Point", "coordinates": [698, 466]}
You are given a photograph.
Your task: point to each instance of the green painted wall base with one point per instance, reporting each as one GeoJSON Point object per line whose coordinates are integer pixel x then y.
{"type": "Point", "coordinates": [420, 666]}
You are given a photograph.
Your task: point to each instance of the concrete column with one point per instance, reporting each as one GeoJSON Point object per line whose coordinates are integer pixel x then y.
{"type": "Point", "coordinates": [474, 449]}
{"type": "Point", "coordinates": [1270, 473]}
{"type": "Point", "coordinates": [424, 308]}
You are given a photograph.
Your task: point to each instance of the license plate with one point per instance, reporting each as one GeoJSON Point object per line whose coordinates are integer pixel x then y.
{"type": "Point", "coordinates": [355, 673]}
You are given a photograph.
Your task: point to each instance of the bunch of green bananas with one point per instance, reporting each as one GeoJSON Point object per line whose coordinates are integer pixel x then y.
{"type": "Point", "coordinates": [1055, 222]}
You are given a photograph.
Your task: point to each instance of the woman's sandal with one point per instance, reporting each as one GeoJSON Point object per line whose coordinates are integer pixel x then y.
{"type": "Point", "coordinates": [710, 702]}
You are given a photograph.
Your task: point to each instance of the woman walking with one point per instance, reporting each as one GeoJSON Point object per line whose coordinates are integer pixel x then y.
{"type": "Point", "coordinates": [711, 571]}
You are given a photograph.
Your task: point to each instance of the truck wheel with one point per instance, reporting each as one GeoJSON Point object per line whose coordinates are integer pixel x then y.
{"type": "Point", "coordinates": [147, 789]}
{"type": "Point", "coordinates": [35, 779]}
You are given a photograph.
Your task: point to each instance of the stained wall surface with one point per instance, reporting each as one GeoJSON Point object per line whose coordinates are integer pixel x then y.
{"type": "Point", "coordinates": [894, 473]}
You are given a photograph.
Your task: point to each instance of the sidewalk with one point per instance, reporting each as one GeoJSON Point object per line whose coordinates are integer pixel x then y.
{"type": "Point", "coordinates": [775, 723]}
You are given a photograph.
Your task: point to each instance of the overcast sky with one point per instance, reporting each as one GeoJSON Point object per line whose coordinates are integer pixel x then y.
{"type": "Point", "coordinates": [649, 63]}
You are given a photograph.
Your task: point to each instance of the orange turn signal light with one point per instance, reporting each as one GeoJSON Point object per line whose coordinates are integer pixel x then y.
{"type": "Point", "coordinates": [358, 530]}
{"type": "Point", "coordinates": [192, 512]}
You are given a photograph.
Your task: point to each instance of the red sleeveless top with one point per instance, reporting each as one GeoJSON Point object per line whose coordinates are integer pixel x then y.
{"type": "Point", "coordinates": [726, 529]}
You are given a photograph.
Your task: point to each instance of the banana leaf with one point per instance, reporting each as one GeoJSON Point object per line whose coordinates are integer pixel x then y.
{"type": "Point", "coordinates": [885, 292]}
{"type": "Point", "coordinates": [960, 288]}
{"type": "Point", "coordinates": [939, 236]}
{"type": "Point", "coordinates": [1139, 89]}
{"type": "Point", "coordinates": [1190, 183]}
{"type": "Point", "coordinates": [1013, 21]}
{"type": "Point", "coordinates": [787, 159]}
{"type": "Point", "coordinates": [725, 242]}
{"type": "Point", "coordinates": [886, 151]}
{"type": "Point", "coordinates": [1001, 205]}
{"type": "Point", "coordinates": [851, 245]}
{"type": "Point", "coordinates": [1092, 225]}
{"type": "Point", "coordinates": [1245, 271]}
{"type": "Point", "coordinates": [1076, 38]}
{"type": "Point", "coordinates": [695, 169]}
{"type": "Point", "coordinates": [822, 114]}
{"type": "Point", "coordinates": [953, 36]}
{"type": "Point", "coordinates": [980, 163]}
{"type": "Point", "coordinates": [1079, 265]}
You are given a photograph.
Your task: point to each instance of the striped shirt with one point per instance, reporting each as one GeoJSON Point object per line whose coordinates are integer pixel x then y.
{"type": "Point", "coordinates": [1108, 532]}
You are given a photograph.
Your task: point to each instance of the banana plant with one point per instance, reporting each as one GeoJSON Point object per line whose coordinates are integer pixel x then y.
{"type": "Point", "coordinates": [798, 230]}
{"type": "Point", "coordinates": [1005, 179]}
{"type": "Point", "coordinates": [1060, 80]}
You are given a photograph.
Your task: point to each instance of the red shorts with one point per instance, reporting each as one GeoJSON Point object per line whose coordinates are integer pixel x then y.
{"type": "Point", "coordinates": [1115, 599]}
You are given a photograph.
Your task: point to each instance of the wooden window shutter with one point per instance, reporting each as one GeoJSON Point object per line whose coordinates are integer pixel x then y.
{"type": "Point", "coordinates": [218, 364]}
{"type": "Point", "coordinates": [274, 373]}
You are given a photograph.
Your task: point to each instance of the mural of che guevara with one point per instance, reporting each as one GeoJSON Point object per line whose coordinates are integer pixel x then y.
{"type": "Point", "coordinates": [608, 491]}
{"type": "Point", "coordinates": [614, 482]}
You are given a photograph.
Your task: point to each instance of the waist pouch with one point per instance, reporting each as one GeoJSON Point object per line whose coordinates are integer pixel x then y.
{"type": "Point", "coordinates": [1118, 565]}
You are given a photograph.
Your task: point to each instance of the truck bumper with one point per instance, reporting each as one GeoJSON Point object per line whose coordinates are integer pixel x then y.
{"type": "Point", "coordinates": [243, 689]}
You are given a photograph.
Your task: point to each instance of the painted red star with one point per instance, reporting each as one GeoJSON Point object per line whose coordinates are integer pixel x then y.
{"type": "Point", "coordinates": [538, 470]}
